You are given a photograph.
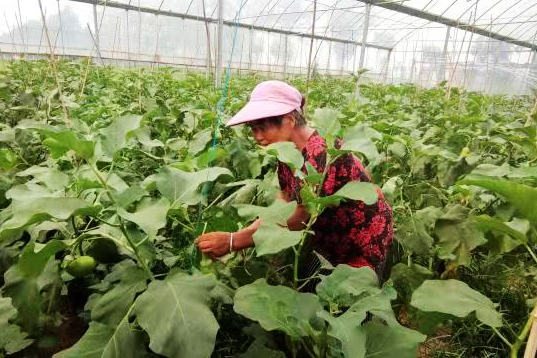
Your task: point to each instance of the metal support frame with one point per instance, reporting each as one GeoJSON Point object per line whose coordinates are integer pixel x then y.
{"type": "Point", "coordinates": [96, 24]}
{"type": "Point", "coordinates": [364, 36]}
{"type": "Point", "coordinates": [396, 6]}
{"type": "Point", "coordinates": [444, 55]}
{"type": "Point", "coordinates": [250, 49]}
{"type": "Point", "coordinates": [329, 56]}
{"type": "Point", "coordinates": [387, 65]}
{"type": "Point", "coordinates": [220, 32]}
{"type": "Point", "coordinates": [117, 5]}
{"type": "Point", "coordinates": [285, 55]}
{"type": "Point", "coordinates": [363, 47]}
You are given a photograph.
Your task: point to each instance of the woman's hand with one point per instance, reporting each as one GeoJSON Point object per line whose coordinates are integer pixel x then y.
{"type": "Point", "coordinates": [214, 244]}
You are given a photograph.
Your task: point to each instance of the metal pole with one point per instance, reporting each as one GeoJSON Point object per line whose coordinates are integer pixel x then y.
{"type": "Point", "coordinates": [250, 49]}
{"type": "Point", "coordinates": [364, 36]}
{"type": "Point", "coordinates": [218, 73]}
{"type": "Point", "coordinates": [444, 55]}
{"type": "Point", "coordinates": [311, 41]}
{"type": "Point", "coordinates": [363, 47]}
{"type": "Point", "coordinates": [285, 56]}
{"type": "Point", "coordinates": [385, 75]}
{"type": "Point", "coordinates": [343, 56]}
{"type": "Point", "coordinates": [354, 54]}
{"type": "Point", "coordinates": [96, 24]}
{"type": "Point", "coordinates": [208, 60]}
{"type": "Point", "coordinates": [329, 55]}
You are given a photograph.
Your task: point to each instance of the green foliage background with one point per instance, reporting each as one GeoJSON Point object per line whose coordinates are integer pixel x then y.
{"type": "Point", "coordinates": [119, 164]}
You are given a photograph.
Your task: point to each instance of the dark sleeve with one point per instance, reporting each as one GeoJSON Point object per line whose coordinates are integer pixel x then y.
{"type": "Point", "coordinates": [289, 184]}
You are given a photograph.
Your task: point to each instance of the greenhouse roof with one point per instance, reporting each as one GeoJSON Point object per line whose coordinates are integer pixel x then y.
{"type": "Point", "coordinates": [482, 45]}
{"type": "Point", "coordinates": [512, 21]}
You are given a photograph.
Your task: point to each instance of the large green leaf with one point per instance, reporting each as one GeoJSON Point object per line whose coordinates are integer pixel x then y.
{"type": "Point", "coordinates": [346, 328]}
{"type": "Point", "coordinates": [114, 137]}
{"type": "Point", "coordinates": [8, 159]}
{"type": "Point", "coordinates": [503, 170]}
{"type": "Point", "coordinates": [130, 195]}
{"type": "Point", "coordinates": [272, 235]}
{"type": "Point", "coordinates": [199, 141]}
{"type": "Point", "coordinates": [458, 235]}
{"type": "Point", "coordinates": [345, 285]}
{"type": "Point", "coordinates": [326, 121]}
{"type": "Point", "coordinates": [86, 178]}
{"type": "Point", "coordinates": [378, 304]}
{"type": "Point", "coordinates": [176, 313]}
{"type": "Point", "coordinates": [277, 307]}
{"type": "Point", "coordinates": [150, 215]}
{"type": "Point", "coordinates": [354, 190]}
{"type": "Point", "coordinates": [12, 340]}
{"type": "Point", "coordinates": [356, 338]}
{"type": "Point", "coordinates": [406, 278]}
{"type": "Point", "coordinates": [102, 341]}
{"type": "Point", "coordinates": [40, 209]}
{"type": "Point", "coordinates": [456, 298]}
{"type": "Point", "coordinates": [391, 341]}
{"type": "Point", "coordinates": [24, 281]}
{"type": "Point", "coordinates": [287, 153]}
{"type": "Point", "coordinates": [182, 187]}
{"type": "Point", "coordinates": [52, 178]}
{"type": "Point", "coordinates": [523, 197]}
{"type": "Point", "coordinates": [7, 311]}
{"type": "Point", "coordinates": [59, 141]}
{"type": "Point", "coordinates": [111, 307]}
{"type": "Point", "coordinates": [359, 139]}
{"type": "Point", "coordinates": [413, 232]}
{"type": "Point", "coordinates": [143, 134]}
{"type": "Point", "coordinates": [517, 228]}
{"type": "Point", "coordinates": [35, 256]}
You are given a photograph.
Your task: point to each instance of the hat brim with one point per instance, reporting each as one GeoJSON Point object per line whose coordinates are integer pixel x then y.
{"type": "Point", "coordinates": [255, 110]}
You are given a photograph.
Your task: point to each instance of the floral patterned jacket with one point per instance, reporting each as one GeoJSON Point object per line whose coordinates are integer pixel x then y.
{"type": "Point", "coordinates": [352, 233]}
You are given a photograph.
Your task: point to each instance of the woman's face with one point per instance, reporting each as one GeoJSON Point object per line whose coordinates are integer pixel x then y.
{"type": "Point", "coordinates": [266, 133]}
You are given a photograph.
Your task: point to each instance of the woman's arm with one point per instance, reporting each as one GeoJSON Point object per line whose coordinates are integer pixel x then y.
{"type": "Point", "coordinates": [298, 220]}
{"type": "Point", "coordinates": [217, 243]}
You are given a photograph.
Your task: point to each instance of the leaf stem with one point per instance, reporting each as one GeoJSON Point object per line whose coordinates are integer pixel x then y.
{"type": "Point", "coordinates": [531, 252]}
{"type": "Point", "coordinates": [502, 337]}
{"type": "Point", "coordinates": [522, 336]}
{"type": "Point", "coordinates": [122, 225]}
{"type": "Point", "coordinates": [305, 233]}
{"type": "Point", "coordinates": [135, 248]}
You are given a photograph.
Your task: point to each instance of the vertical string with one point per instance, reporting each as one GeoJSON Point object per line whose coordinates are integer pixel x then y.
{"type": "Point", "coordinates": [195, 254]}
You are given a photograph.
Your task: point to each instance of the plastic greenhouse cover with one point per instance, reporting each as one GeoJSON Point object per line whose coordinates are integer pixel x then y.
{"type": "Point", "coordinates": [342, 19]}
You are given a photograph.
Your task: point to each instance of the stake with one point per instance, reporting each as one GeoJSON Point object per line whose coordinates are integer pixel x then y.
{"type": "Point", "coordinates": [311, 42]}
{"type": "Point", "coordinates": [53, 64]}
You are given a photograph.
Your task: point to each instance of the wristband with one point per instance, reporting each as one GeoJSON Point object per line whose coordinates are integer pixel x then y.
{"type": "Point", "coordinates": [230, 242]}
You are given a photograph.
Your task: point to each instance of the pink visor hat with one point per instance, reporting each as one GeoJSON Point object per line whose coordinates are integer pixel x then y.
{"type": "Point", "coordinates": [268, 99]}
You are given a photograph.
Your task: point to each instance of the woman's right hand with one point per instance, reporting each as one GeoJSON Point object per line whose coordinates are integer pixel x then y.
{"type": "Point", "coordinates": [214, 244]}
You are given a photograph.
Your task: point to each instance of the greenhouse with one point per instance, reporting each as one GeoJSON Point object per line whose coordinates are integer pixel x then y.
{"type": "Point", "coordinates": [270, 178]}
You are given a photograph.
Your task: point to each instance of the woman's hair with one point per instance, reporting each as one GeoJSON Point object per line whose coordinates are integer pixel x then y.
{"type": "Point", "coordinates": [300, 119]}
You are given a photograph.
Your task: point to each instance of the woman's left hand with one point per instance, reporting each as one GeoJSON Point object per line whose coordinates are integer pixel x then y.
{"type": "Point", "coordinates": [214, 244]}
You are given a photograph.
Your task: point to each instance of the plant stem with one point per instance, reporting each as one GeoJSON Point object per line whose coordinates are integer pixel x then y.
{"type": "Point", "coordinates": [502, 337]}
{"type": "Point", "coordinates": [311, 221]}
{"type": "Point", "coordinates": [136, 251]}
{"type": "Point", "coordinates": [522, 336]}
{"type": "Point", "coordinates": [531, 252]}
{"type": "Point", "coordinates": [305, 233]}
{"type": "Point", "coordinates": [122, 225]}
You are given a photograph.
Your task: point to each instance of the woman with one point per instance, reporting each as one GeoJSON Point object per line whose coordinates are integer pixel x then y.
{"type": "Point", "coordinates": [352, 233]}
